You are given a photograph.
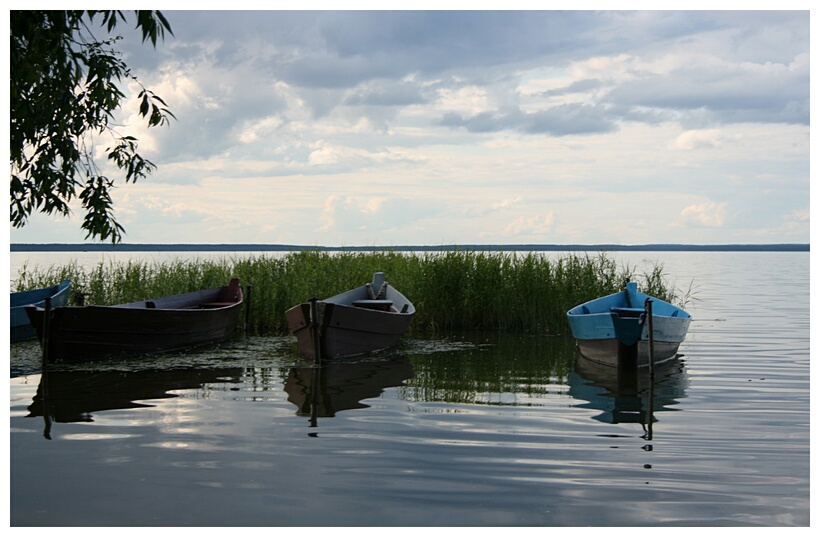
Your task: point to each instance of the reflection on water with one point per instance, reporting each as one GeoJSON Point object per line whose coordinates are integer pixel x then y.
{"type": "Point", "coordinates": [473, 368]}
{"type": "Point", "coordinates": [481, 368]}
{"type": "Point", "coordinates": [628, 395]}
{"type": "Point", "coordinates": [322, 391]}
{"type": "Point", "coordinates": [492, 368]}
{"type": "Point", "coordinates": [483, 429]}
{"type": "Point", "coordinates": [76, 395]}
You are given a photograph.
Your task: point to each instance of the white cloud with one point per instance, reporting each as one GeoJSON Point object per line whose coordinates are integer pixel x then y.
{"type": "Point", "coordinates": [506, 203]}
{"type": "Point", "coordinates": [698, 139]}
{"type": "Point", "coordinates": [323, 155]}
{"type": "Point", "coordinates": [469, 100]}
{"type": "Point", "coordinates": [430, 127]}
{"type": "Point", "coordinates": [800, 215]}
{"type": "Point", "coordinates": [534, 226]}
{"type": "Point", "coordinates": [709, 214]}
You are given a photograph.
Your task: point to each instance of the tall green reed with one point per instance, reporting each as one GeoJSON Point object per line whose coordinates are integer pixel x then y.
{"type": "Point", "coordinates": [452, 290]}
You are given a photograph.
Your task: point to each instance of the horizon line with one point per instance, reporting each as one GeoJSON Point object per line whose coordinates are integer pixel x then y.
{"type": "Point", "coordinates": [43, 247]}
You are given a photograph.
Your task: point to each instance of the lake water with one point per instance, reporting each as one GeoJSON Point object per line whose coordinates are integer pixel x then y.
{"type": "Point", "coordinates": [458, 429]}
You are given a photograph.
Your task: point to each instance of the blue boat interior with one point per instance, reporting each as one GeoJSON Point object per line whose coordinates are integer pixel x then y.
{"type": "Point", "coordinates": [628, 304]}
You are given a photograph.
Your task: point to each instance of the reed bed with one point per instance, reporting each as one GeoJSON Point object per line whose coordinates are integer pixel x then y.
{"type": "Point", "coordinates": [452, 290]}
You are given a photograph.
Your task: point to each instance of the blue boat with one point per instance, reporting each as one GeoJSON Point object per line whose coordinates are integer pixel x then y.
{"type": "Point", "coordinates": [613, 330]}
{"type": "Point", "coordinates": [21, 328]}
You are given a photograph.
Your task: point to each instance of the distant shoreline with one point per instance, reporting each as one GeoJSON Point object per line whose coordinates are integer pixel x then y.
{"type": "Point", "coordinates": [27, 247]}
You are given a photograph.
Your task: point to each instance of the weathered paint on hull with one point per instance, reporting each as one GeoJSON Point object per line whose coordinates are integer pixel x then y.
{"type": "Point", "coordinates": [614, 329]}
{"type": "Point", "coordinates": [347, 330]}
{"type": "Point", "coordinates": [669, 333]}
{"type": "Point", "coordinates": [613, 353]}
{"type": "Point", "coordinates": [96, 332]}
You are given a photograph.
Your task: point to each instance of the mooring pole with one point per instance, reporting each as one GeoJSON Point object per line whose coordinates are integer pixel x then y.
{"type": "Point", "coordinates": [651, 330]}
{"type": "Point", "coordinates": [651, 405]}
{"type": "Point", "coordinates": [316, 389]}
{"type": "Point", "coordinates": [46, 330]}
{"type": "Point", "coordinates": [44, 374]}
{"type": "Point", "coordinates": [316, 330]}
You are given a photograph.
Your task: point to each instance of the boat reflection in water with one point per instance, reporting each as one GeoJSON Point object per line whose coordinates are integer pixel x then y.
{"type": "Point", "coordinates": [321, 391]}
{"type": "Point", "coordinates": [628, 395]}
{"type": "Point", "coordinates": [67, 396]}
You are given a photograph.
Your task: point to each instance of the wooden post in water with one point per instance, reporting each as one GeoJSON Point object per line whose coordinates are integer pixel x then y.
{"type": "Point", "coordinates": [651, 358]}
{"type": "Point", "coordinates": [651, 330]}
{"type": "Point", "coordinates": [316, 389]}
{"type": "Point", "coordinates": [46, 330]}
{"type": "Point", "coordinates": [316, 330]}
{"type": "Point", "coordinates": [44, 373]}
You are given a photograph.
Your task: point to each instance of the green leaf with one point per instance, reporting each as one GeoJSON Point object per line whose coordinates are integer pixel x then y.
{"type": "Point", "coordinates": [52, 129]}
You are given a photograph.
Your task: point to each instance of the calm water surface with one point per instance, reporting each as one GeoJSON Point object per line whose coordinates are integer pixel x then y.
{"type": "Point", "coordinates": [453, 430]}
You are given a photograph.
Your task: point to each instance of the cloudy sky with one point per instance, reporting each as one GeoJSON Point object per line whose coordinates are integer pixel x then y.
{"type": "Point", "coordinates": [344, 128]}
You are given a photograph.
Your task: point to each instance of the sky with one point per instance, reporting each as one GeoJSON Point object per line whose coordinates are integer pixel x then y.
{"type": "Point", "coordinates": [389, 128]}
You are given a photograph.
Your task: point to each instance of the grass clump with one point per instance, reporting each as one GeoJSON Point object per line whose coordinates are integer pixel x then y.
{"type": "Point", "coordinates": [452, 290]}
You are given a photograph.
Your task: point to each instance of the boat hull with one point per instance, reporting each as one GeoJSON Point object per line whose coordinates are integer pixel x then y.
{"type": "Point", "coordinates": [347, 331]}
{"type": "Point", "coordinates": [162, 325]}
{"type": "Point", "coordinates": [610, 330]}
{"type": "Point", "coordinates": [613, 353]}
{"type": "Point", "coordinates": [364, 320]}
{"type": "Point", "coordinates": [21, 327]}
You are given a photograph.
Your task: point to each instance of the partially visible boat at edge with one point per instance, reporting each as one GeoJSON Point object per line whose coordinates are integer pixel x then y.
{"type": "Point", "coordinates": [613, 329]}
{"type": "Point", "coordinates": [165, 324]}
{"type": "Point", "coordinates": [21, 328]}
{"type": "Point", "coordinates": [366, 319]}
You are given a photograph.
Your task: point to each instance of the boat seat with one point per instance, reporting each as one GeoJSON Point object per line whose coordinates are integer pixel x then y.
{"type": "Point", "coordinates": [150, 304]}
{"type": "Point", "coordinates": [381, 305]}
{"type": "Point", "coordinates": [209, 305]}
{"type": "Point", "coordinates": [628, 312]}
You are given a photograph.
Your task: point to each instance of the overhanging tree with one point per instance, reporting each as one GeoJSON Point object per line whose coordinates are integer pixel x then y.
{"type": "Point", "coordinates": [64, 90]}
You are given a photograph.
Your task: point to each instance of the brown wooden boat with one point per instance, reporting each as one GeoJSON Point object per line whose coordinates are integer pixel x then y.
{"type": "Point", "coordinates": [366, 319]}
{"type": "Point", "coordinates": [166, 324]}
